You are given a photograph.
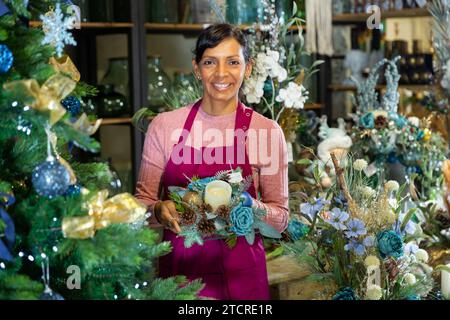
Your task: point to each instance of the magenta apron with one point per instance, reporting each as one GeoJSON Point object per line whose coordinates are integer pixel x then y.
{"type": "Point", "coordinates": [228, 274]}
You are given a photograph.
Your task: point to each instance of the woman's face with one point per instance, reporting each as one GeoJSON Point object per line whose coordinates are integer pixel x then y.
{"type": "Point", "coordinates": [222, 70]}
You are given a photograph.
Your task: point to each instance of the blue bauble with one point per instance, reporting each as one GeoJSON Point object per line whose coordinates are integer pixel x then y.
{"type": "Point", "coordinates": [73, 190]}
{"type": "Point", "coordinates": [6, 58]}
{"type": "Point", "coordinates": [247, 200]}
{"type": "Point", "coordinates": [72, 104]}
{"type": "Point", "coordinates": [49, 294]}
{"type": "Point", "coordinates": [50, 179]}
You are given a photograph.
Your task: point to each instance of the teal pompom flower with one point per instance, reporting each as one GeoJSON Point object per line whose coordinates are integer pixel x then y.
{"type": "Point", "coordinates": [390, 244]}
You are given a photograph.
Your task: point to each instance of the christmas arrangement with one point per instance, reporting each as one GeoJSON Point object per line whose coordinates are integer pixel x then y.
{"type": "Point", "coordinates": [219, 207]}
{"type": "Point", "coordinates": [362, 241]}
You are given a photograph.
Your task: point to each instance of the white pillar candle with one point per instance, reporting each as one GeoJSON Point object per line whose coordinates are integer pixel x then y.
{"type": "Point", "coordinates": [217, 193]}
{"type": "Point", "coordinates": [445, 283]}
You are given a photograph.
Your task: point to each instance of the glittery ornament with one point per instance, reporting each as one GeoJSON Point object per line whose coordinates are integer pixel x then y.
{"type": "Point", "coordinates": [56, 26]}
{"type": "Point", "coordinates": [6, 58]}
{"type": "Point", "coordinates": [73, 190]}
{"type": "Point", "coordinates": [49, 294]}
{"type": "Point", "coordinates": [193, 198]}
{"type": "Point", "coordinates": [50, 178]}
{"type": "Point", "coordinates": [72, 104]}
{"type": "Point", "coordinates": [247, 200]}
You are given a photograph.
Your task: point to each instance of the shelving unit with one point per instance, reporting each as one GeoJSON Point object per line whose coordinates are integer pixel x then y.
{"type": "Point", "coordinates": [360, 19]}
{"type": "Point", "coordinates": [412, 87]}
{"type": "Point", "coordinates": [185, 28]}
{"type": "Point", "coordinates": [347, 18]}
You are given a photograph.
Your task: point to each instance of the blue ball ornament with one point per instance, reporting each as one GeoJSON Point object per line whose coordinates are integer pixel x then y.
{"type": "Point", "coordinates": [6, 58]}
{"type": "Point", "coordinates": [73, 190]}
{"type": "Point", "coordinates": [246, 199]}
{"type": "Point", "coordinates": [72, 105]}
{"type": "Point", "coordinates": [50, 178]}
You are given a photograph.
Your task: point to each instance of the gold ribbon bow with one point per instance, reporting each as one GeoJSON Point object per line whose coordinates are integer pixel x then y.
{"type": "Point", "coordinates": [122, 208]}
{"type": "Point", "coordinates": [46, 97]}
{"type": "Point", "coordinates": [85, 126]}
{"type": "Point", "coordinates": [66, 65]}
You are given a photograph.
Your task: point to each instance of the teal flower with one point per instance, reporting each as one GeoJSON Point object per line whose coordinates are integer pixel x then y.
{"type": "Point", "coordinates": [242, 219]}
{"type": "Point", "coordinates": [200, 184]}
{"type": "Point", "coordinates": [367, 120]}
{"type": "Point", "coordinates": [420, 135]}
{"type": "Point", "coordinates": [390, 244]}
{"type": "Point", "coordinates": [346, 293]}
{"type": "Point", "coordinates": [400, 121]}
{"type": "Point", "coordinates": [297, 230]}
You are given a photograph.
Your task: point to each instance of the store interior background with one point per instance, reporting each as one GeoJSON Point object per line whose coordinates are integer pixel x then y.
{"type": "Point", "coordinates": [175, 49]}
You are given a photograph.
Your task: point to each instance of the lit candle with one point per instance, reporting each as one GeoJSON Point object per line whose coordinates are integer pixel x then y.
{"type": "Point", "coordinates": [217, 193]}
{"type": "Point", "coordinates": [445, 283]}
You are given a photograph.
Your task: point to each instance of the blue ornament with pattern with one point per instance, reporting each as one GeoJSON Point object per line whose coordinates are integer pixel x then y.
{"type": "Point", "coordinates": [6, 58]}
{"type": "Point", "coordinates": [73, 190]}
{"type": "Point", "coordinates": [72, 105]}
{"type": "Point", "coordinates": [50, 178]}
{"type": "Point", "coordinates": [246, 199]}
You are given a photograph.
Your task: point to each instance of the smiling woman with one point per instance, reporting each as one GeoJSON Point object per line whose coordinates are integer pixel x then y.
{"type": "Point", "coordinates": [222, 62]}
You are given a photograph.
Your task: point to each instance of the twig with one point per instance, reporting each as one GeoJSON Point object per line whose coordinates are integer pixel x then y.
{"type": "Point", "coordinates": [340, 178]}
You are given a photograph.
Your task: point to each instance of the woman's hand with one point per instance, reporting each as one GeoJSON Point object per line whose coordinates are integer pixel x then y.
{"type": "Point", "coordinates": [166, 214]}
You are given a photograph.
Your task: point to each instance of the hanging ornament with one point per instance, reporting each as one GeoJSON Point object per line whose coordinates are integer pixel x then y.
{"type": "Point", "coordinates": [73, 190]}
{"type": "Point", "coordinates": [55, 27]}
{"type": "Point", "coordinates": [48, 293]}
{"type": "Point", "coordinates": [72, 104]}
{"type": "Point", "coordinates": [7, 235]}
{"type": "Point", "coordinates": [52, 178]}
{"type": "Point", "coordinates": [6, 58]}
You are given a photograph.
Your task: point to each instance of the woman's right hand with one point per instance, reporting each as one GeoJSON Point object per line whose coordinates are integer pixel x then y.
{"type": "Point", "coordinates": [166, 214]}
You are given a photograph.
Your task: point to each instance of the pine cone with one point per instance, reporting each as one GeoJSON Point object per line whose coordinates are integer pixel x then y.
{"type": "Point", "coordinates": [205, 207]}
{"type": "Point", "coordinates": [206, 227]}
{"type": "Point", "coordinates": [392, 269]}
{"type": "Point", "coordinates": [444, 218]}
{"type": "Point", "coordinates": [381, 122]}
{"type": "Point", "coordinates": [223, 212]}
{"type": "Point", "coordinates": [188, 217]}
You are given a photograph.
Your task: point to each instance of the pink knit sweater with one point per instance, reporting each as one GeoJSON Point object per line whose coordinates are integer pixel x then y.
{"type": "Point", "coordinates": [266, 148]}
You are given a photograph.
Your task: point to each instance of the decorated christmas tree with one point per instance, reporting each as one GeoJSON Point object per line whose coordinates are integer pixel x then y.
{"type": "Point", "coordinates": [61, 234]}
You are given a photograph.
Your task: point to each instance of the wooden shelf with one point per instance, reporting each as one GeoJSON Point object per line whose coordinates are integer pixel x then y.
{"type": "Point", "coordinates": [109, 121]}
{"type": "Point", "coordinates": [412, 87]}
{"type": "Point", "coordinates": [362, 17]}
{"type": "Point", "coordinates": [94, 25]}
{"type": "Point", "coordinates": [313, 106]}
{"type": "Point", "coordinates": [189, 27]}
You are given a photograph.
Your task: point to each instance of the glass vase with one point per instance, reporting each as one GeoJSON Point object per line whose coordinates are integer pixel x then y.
{"type": "Point", "coordinates": [158, 84]}
{"type": "Point", "coordinates": [118, 76]}
{"type": "Point", "coordinates": [110, 103]}
{"type": "Point", "coordinates": [203, 12]}
{"type": "Point", "coordinates": [243, 11]}
{"type": "Point", "coordinates": [162, 11]}
{"type": "Point", "coordinates": [122, 11]}
{"type": "Point", "coordinates": [84, 9]}
{"type": "Point", "coordinates": [101, 10]}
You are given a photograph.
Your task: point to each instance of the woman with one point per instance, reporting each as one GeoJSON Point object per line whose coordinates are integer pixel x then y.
{"type": "Point", "coordinates": [172, 155]}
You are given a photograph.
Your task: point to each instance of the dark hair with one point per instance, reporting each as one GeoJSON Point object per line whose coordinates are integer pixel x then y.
{"type": "Point", "coordinates": [215, 34]}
